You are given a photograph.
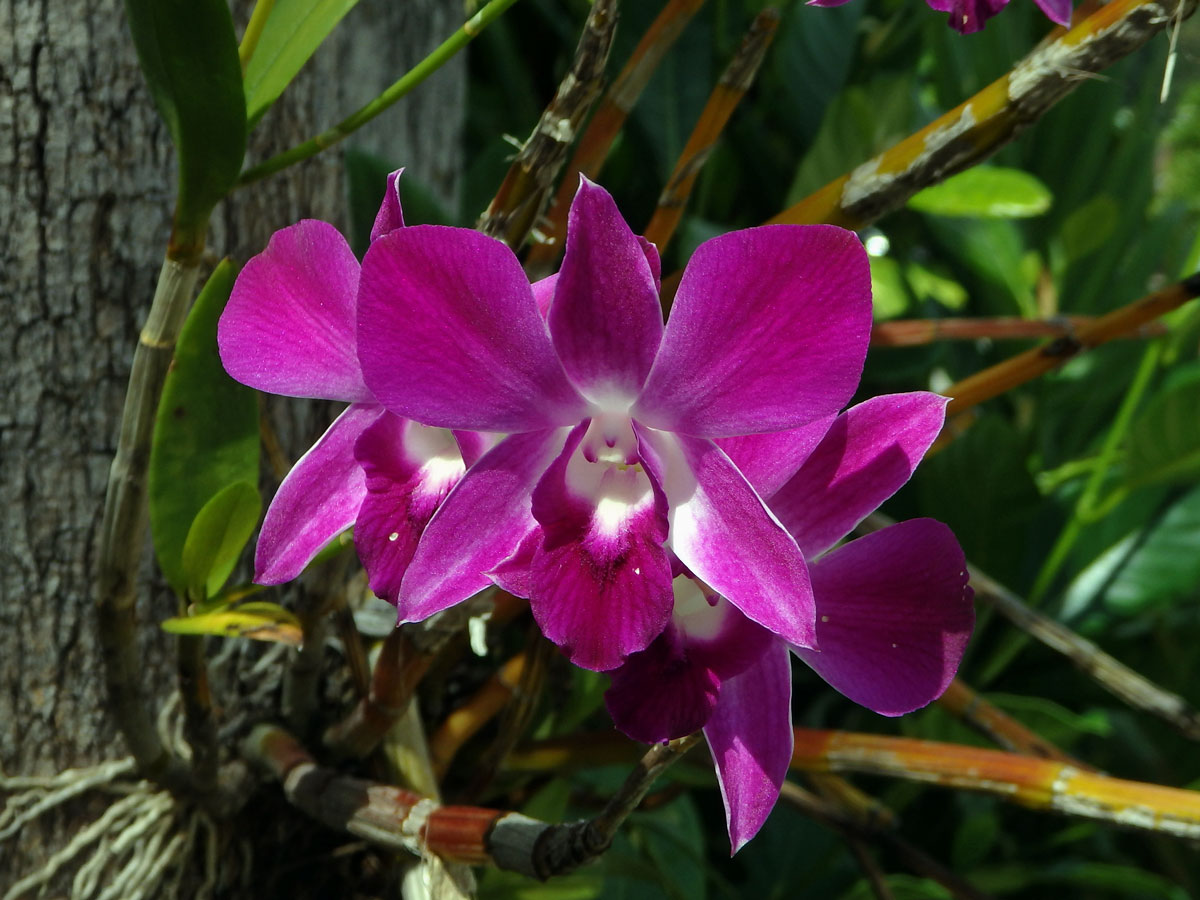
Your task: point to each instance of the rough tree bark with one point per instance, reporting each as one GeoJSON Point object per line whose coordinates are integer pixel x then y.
{"type": "Point", "coordinates": [86, 186]}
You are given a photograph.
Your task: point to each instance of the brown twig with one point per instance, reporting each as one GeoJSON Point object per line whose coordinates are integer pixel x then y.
{"type": "Point", "coordinates": [399, 820]}
{"type": "Point", "coordinates": [732, 87]}
{"type": "Point", "coordinates": [514, 210]}
{"type": "Point", "coordinates": [484, 705]}
{"type": "Point", "coordinates": [917, 332]}
{"type": "Point", "coordinates": [606, 124]}
{"type": "Point", "coordinates": [998, 726]}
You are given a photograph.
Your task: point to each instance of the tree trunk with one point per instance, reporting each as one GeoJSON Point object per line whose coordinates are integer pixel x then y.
{"type": "Point", "coordinates": [86, 192]}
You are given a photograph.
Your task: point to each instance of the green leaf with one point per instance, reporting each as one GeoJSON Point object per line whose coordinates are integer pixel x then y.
{"type": "Point", "coordinates": [987, 192]}
{"type": "Point", "coordinates": [217, 536]}
{"type": "Point", "coordinates": [293, 31]}
{"type": "Point", "coordinates": [889, 297]}
{"type": "Point", "coordinates": [1164, 441]}
{"type": "Point", "coordinates": [206, 434]}
{"type": "Point", "coordinates": [257, 621]}
{"type": "Point", "coordinates": [1089, 227]}
{"type": "Point", "coordinates": [189, 56]}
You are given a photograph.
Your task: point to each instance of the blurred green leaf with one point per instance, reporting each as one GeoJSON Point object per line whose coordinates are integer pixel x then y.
{"type": "Point", "coordinates": [1163, 566]}
{"type": "Point", "coordinates": [217, 536]}
{"type": "Point", "coordinates": [1089, 227]}
{"type": "Point", "coordinates": [988, 192]}
{"type": "Point", "coordinates": [1164, 441]}
{"type": "Point", "coordinates": [258, 621]}
{"type": "Point", "coordinates": [930, 285]}
{"type": "Point", "coordinates": [293, 31]}
{"type": "Point", "coordinates": [889, 296]}
{"type": "Point", "coordinates": [206, 433]}
{"type": "Point", "coordinates": [189, 56]}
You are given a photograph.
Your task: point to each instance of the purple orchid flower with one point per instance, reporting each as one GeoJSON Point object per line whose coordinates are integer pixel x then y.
{"type": "Point", "coordinates": [968, 16]}
{"type": "Point", "coordinates": [610, 465]}
{"type": "Point", "coordinates": [893, 608]}
{"type": "Point", "coordinates": [289, 329]}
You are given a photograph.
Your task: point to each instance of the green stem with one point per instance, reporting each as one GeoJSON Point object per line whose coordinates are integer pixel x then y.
{"type": "Point", "coordinates": [410, 80]}
{"type": "Point", "coordinates": [254, 29]}
{"type": "Point", "coordinates": [1085, 507]}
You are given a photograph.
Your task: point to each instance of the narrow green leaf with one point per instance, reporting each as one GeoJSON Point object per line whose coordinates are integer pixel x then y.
{"type": "Point", "coordinates": [257, 621]}
{"type": "Point", "coordinates": [188, 53]}
{"type": "Point", "coordinates": [987, 192]}
{"type": "Point", "coordinates": [294, 30]}
{"type": "Point", "coordinates": [217, 536]}
{"type": "Point", "coordinates": [206, 434]}
{"type": "Point", "coordinates": [1164, 441]}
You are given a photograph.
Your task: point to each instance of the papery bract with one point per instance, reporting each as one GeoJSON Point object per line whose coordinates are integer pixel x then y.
{"type": "Point", "coordinates": [611, 462]}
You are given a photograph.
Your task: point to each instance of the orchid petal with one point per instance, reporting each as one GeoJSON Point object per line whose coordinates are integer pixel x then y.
{"type": "Point", "coordinates": [968, 16]}
{"type": "Point", "coordinates": [409, 471]}
{"type": "Point", "coordinates": [288, 327]}
{"type": "Point", "coordinates": [659, 694]}
{"type": "Point", "coordinates": [894, 614]}
{"type": "Point", "coordinates": [866, 456]}
{"type": "Point", "coordinates": [318, 499]}
{"type": "Point", "coordinates": [769, 460]}
{"type": "Point", "coordinates": [601, 579]}
{"type": "Point", "coordinates": [472, 445]}
{"type": "Point", "coordinates": [723, 533]}
{"type": "Point", "coordinates": [455, 306]}
{"type": "Point", "coordinates": [750, 736]}
{"type": "Point", "coordinates": [478, 526]}
{"type": "Point", "coordinates": [390, 215]}
{"type": "Point", "coordinates": [1058, 11]}
{"type": "Point", "coordinates": [543, 293]}
{"type": "Point", "coordinates": [768, 332]}
{"type": "Point", "coordinates": [605, 319]}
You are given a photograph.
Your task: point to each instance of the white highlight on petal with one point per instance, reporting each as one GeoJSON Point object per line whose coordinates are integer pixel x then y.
{"type": "Point", "coordinates": [700, 614]}
{"type": "Point", "coordinates": [604, 472]}
{"type": "Point", "coordinates": [436, 452]}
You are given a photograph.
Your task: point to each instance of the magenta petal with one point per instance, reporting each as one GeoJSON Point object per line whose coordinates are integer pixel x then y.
{"type": "Point", "coordinates": [659, 694]}
{"type": "Point", "coordinates": [601, 579]}
{"type": "Point", "coordinates": [605, 319]}
{"type": "Point", "coordinates": [409, 471]}
{"type": "Point", "coordinates": [472, 445]}
{"type": "Point", "coordinates": [723, 533]}
{"type": "Point", "coordinates": [318, 499]}
{"type": "Point", "coordinates": [769, 460]}
{"type": "Point", "coordinates": [1058, 11]}
{"type": "Point", "coordinates": [750, 736]}
{"type": "Point", "coordinates": [769, 331]}
{"type": "Point", "coordinates": [868, 454]}
{"type": "Point", "coordinates": [390, 215]}
{"type": "Point", "coordinates": [449, 335]}
{"type": "Point", "coordinates": [894, 614]}
{"type": "Point", "coordinates": [543, 293]}
{"type": "Point", "coordinates": [288, 327]}
{"type": "Point", "coordinates": [968, 16]}
{"type": "Point", "coordinates": [478, 526]}
{"type": "Point", "coordinates": [654, 261]}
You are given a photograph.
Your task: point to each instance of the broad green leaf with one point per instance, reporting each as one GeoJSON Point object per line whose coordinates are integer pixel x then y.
{"type": "Point", "coordinates": [293, 31]}
{"type": "Point", "coordinates": [987, 192]}
{"type": "Point", "coordinates": [930, 285]}
{"type": "Point", "coordinates": [206, 434]}
{"type": "Point", "coordinates": [217, 536]}
{"type": "Point", "coordinates": [189, 57]}
{"type": "Point", "coordinates": [258, 621]}
{"type": "Point", "coordinates": [1164, 441]}
{"type": "Point", "coordinates": [889, 297]}
{"type": "Point", "coordinates": [1089, 227]}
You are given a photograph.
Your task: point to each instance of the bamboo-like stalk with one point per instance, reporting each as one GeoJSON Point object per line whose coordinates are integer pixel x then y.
{"type": "Point", "coordinates": [462, 724]}
{"type": "Point", "coordinates": [735, 81]}
{"type": "Point", "coordinates": [987, 121]}
{"type": "Point", "coordinates": [417, 74]}
{"type": "Point", "coordinates": [199, 726]}
{"type": "Point", "coordinates": [606, 124]}
{"type": "Point", "coordinates": [998, 726]}
{"type": "Point", "coordinates": [1035, 783]}
{"type": "Point", "coordinates": [918, 332]}
{"type": "Point", "coordinates": [1023, 367]}
{"type": "Point", "coordinates": [518, 203]}
{"type": "Point", "coordinates": [403, 821]}
{"type": "Point", "coordinates": [125, 521]}
{"type": "Point", "coordinates": [254, 29]}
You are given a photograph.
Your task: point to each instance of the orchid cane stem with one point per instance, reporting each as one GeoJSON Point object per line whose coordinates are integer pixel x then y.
{"type": "Point", "coordinates": [254, 29]}
{"type": "Point", "coordinates": [465, 722]}
{"type": "Point", "coordinates": [999, 727]}
{"type": "Point", "coordinates": [919, 332]}
{"type": "Point", "coordinates": [399, 89]}
{"type": "Point", "coordinates": [606, 124]}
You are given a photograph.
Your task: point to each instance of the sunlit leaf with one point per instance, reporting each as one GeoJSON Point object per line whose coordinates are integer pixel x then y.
{"type": "Point", "coordinates": [188, 53]}
{"type": "Point", "coordinates": [987, 192]}
{"type": "Point", "coordinates": [258, 621]}
{"type": "Point", "coordinates": [293, 31]}
{"type": "Point", "coordinates": [217, 536]}
{"type": "Point", "coordinates": [206, 434]}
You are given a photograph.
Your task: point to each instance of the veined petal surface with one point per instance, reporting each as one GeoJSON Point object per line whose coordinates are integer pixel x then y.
{"type": "Point", "coordinates": [409, 471]}
{"type": "Point", "coordinates": [449, 335]}
{"type": "Point", "coordinates": [750, 736]}
{"type": "Point", "coordinates": [769, 460]}
{"type": "Point", "coordinates": [864, 458]}
{"type": "Point", "coordinates": [390, 215]}
{"type": "Point", "coordinates": [605, 319]}
{"type": "Point", "coordinates": [769, 331]}
{"type": "Point", "coordinates": [894, 614]}
{"type": "Point", "coordinates": [288, 327]}
{"type": "Point", "coordinates": [479, 525]}
{"type": "Point", "coordinates": [319, 499]}
{"type": "Point", "coordinates": [720, 530]}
